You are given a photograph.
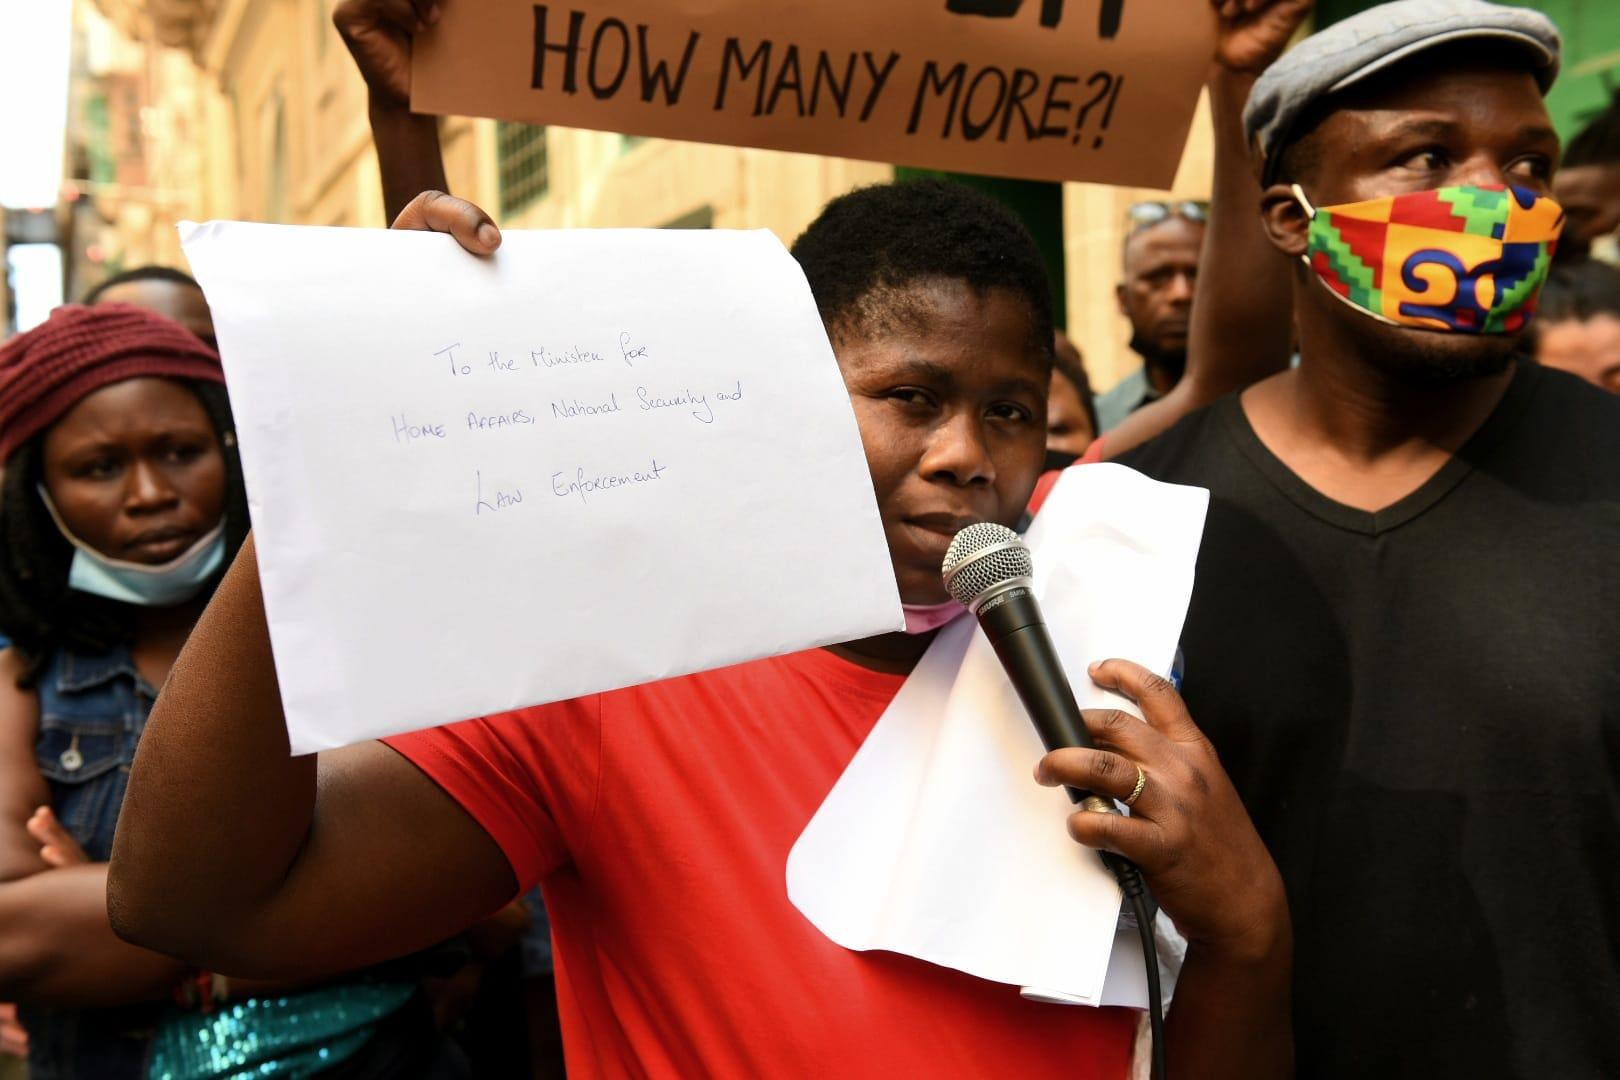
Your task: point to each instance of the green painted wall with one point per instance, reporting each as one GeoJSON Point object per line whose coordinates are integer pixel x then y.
{"type": "Point", "coordinates": [1591, 71]}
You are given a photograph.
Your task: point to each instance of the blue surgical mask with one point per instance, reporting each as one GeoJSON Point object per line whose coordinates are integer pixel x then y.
{"type": "Point", "coordinates": [164, 585]}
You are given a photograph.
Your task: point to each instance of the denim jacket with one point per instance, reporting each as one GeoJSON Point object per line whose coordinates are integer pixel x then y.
{"type": "Point", "coordinates": [92, 710]}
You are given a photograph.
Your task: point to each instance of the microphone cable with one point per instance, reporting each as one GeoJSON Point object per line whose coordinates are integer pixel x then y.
{"type": "Point", "coordinates": [1135, 891]}
{"type": "Point", "coordinates": [989, 570]}
{"type": "Point", "coordinates": [1129, 876]}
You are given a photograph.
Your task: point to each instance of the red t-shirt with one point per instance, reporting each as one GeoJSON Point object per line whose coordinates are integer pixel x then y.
{"type": "Point", "coordinates": [658, 820]}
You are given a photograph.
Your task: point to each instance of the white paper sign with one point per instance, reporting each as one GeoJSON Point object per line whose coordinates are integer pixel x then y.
{"type": "Point", "coordinates": [596, 459]}
{"type": "Point", "coordinates": [936, 842]}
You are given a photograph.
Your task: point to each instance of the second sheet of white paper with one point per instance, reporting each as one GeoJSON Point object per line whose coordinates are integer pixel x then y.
{"type": "Point", "coordinates": [936, 842]}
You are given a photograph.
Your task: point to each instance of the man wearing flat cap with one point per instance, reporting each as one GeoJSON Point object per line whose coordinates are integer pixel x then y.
{"type": "Point", "coordinates": [1405, 636]}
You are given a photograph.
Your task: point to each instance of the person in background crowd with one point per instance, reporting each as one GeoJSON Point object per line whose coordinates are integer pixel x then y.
{"type": "Point", "coordinates": [1160, 267]}
{"type": "Point", "coordinates": [1403, 633]}
{"type": "Point", "coordinates": [73, 657]}
{"type": "Point", "coordinates": [121, 503]}
{"type": "Point", "coordinates": [1071, 415]}
{"type": "Point", "coordinates": [175, 295]}
{"type": "Point", "coordinates": [1577, 325]}
{"type": "Point", "coordinates": [171, 293]}
{"type": "Point", "coordinates": [1588, 188]}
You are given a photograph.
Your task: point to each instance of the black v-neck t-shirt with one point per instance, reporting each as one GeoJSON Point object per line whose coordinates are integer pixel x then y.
{"type": "Point", "coordinates": [1421, 709]}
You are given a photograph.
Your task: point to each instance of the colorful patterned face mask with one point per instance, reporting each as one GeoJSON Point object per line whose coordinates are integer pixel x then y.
{"type": "Point", "coordinates": [1469, 260]}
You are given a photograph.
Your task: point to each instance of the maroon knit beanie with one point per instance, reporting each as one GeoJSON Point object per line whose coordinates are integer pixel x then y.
{"type": "Point", "coordinates": [79, 350]}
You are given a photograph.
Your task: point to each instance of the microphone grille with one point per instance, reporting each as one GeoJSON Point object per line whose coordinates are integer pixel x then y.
{"type": "Point", "coordinates": [981, 556]}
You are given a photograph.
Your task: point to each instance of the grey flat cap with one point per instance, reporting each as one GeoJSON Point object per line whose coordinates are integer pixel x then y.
{"type": "Point", "coordinates": [1350, 50]}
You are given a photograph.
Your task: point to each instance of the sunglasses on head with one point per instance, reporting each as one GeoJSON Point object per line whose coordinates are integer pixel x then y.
{"type": "Point", "coordinates": [1143, 214]}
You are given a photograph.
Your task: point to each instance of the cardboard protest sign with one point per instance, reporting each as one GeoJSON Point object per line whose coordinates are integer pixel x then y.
{"type": "Point", "coordinates": [594, 459]}
{"type": "Point", "coordinates": [1099, 90]}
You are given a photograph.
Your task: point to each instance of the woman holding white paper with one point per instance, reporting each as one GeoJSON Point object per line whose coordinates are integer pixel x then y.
{"type": "Point", "coordinates": [658, 818]}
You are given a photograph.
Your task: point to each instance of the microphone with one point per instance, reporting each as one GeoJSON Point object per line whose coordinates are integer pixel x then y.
{"type": "Point", "coordinates": [987, 569]}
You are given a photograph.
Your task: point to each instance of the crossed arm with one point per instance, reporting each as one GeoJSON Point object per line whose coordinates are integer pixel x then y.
{"type": "Point", "coordinates": [56, 945]}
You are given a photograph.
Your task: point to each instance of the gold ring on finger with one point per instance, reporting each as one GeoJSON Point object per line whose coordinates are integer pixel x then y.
{"type": "Point", "coordinates": [1136, 792]}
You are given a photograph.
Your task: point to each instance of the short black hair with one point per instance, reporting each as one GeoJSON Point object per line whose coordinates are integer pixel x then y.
{"type": "Point", "coordinates": [1598, 143]}
{"type": "Point", "coordinates": [867, 246]}
{"type": "Point", "coordinates": [142, 273]}
{"type": "Point", "coordinates": [38, 612]}
{"type": "Point", "coordinates": [1579, 290]}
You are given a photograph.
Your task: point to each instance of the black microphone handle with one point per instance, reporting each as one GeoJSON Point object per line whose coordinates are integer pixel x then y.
{"type": "Point", "coordinates": [1013, 623]}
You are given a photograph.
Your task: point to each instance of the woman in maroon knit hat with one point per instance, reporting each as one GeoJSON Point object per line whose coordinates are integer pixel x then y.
{"type": "Point", "coordinates": [120, 505]}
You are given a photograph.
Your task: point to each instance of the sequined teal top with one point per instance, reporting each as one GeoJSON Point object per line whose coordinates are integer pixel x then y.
{"type": "Point", "coordinates": [93, 711]}
{"type": "Point", "coordinates": [284, 1036]}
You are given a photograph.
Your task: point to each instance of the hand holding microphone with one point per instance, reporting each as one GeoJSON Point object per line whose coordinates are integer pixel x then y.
{"type": "Point", "coordinates": [1188, 831]}
{"type": "Point", "coordinates": [988, 569]}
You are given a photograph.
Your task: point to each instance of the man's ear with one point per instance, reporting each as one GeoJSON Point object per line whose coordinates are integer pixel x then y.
{"type": "Point", "coordinates": [1119, 298]}
{"type": "Point", "coordinates": [1286, 222]}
